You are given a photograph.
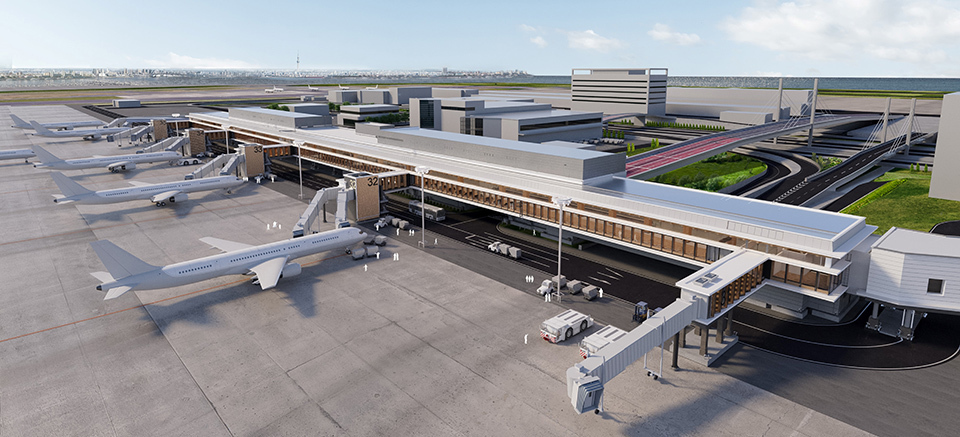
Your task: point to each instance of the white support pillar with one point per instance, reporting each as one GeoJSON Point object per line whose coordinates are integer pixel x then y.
{"type": "Point", "coordinates": [913, 109]}
{"type": "Point", "coordinates": [561, 202]}
{"type": "Point", "coordinates": [776, 113]}
{"type": "Point", "coordinates": [886, 120]}
{"type": "Point", "coordinates": [813, 112]}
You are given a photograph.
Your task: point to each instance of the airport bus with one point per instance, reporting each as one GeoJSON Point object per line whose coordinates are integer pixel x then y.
{"type": "Point", "coordinates": [434, 213]}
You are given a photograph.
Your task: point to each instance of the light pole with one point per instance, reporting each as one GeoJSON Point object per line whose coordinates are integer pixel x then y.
{"type": "Point", "coordinates": [176, 124]}
{"type": "Point", "coordinates": [422, 170]}
{"type": "Point", "coordinates": [299, 145]}
{"type": "Point", "coordinates": [561, 202]}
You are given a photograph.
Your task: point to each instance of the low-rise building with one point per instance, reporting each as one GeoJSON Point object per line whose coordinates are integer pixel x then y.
{"type": "Point", "coordinates": [519, 119]}
{"type": "Point", "coordinates": [350, 115]}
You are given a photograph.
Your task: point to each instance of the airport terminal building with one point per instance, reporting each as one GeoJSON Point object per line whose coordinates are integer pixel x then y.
{"type": "Point", "coordinates": [807, 254]}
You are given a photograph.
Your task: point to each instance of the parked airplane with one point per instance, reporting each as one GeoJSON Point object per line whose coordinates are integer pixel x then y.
{"type": "Point", "coordinates": [313, 88]}
{"type": "Point", "coordinates": [160, 194]}
{"type": "Point", "coordinates": [87, 134]}
{"type": "Point", "coordinates": [114, 163]}
{"type": "Point", "coordinates": [273, 90]}
{"type": "Point", "coordinates": [67, 125]}
{"type": "Point", "coordinates": [23, 154]}
{"type": "Point", "coordinates": [343, 87]}
{"type": "Point", "coordinates": [268, 262]}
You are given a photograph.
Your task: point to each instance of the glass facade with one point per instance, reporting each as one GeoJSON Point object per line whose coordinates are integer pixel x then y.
{"type": "Point", "coordinates": [805, 278]}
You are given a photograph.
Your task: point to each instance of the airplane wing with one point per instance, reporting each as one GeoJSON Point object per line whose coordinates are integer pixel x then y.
{"type": "Point", "coordinates": [225, 245]}
{"type": "Point", "coordinates": [139, 184]}
{"type": "Point", "coordinates": [166, 195]}
{"type": "Point", "coordinates": [268, 272]}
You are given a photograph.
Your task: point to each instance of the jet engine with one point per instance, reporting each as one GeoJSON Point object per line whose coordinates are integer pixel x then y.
{"type": "Point", "coordinates": [177, 198]}
{"type": "Point", "coordinates": [292, 269]}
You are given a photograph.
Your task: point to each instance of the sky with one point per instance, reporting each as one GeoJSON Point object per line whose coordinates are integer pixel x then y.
{"type": "Point", "coordinates": [826, 38]}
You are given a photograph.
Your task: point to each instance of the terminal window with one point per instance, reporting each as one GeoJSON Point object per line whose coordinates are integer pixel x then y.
{"type": "Point", "coordinates": [426, 114]}
{"type": "Point", "coordinates": [935, 286]}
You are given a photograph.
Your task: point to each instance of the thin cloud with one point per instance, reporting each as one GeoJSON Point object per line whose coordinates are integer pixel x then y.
{"type": "Point", "coordinates": [591, 41]}
{"type": "Point", "coordinates": [539, 41]}
{"type": "Point", "coordinates": [662, 32]}
{"type": "Point", "coordinates": [174, 60]}
{"type": "Point", "coordinates": [916, 31]}
{"type": "Point", "coordinates": [527, 28]}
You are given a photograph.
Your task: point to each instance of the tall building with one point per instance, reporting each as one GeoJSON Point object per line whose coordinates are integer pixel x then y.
{"type": "Point", "coordinates": [620, 90]}
{"type": "Point", "coordinates": [945, 182]}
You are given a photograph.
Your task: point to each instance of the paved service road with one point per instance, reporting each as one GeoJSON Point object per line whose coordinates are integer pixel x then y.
{"type": "Point", "coordinates": [479, 229]}
{"type": "Point", "coordinates": [850, 344]}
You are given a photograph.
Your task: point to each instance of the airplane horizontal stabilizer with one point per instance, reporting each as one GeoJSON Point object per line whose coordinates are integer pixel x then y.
{"type": "Point", "coordinates": [116, 292]}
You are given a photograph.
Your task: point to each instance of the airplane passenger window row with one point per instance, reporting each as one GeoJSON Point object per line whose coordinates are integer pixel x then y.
{"type": "Point", "coordinates": [196, 268]}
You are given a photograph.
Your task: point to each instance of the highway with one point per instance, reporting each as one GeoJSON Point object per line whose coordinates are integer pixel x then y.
{"type": "Point", "coordinates": [804, 192]}
{"type": "Point", "coordinates": [714, 143]}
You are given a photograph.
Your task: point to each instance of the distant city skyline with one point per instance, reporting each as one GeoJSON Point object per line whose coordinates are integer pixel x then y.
{"type": "Point", "coordinates": [838, 38]}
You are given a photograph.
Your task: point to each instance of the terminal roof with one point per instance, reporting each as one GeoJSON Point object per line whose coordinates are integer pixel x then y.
{"type": "Point", "coordinates": [920, 243]}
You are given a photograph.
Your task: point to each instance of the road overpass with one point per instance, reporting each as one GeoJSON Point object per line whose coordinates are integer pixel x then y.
{"type": "Point", "coordinates": [659, 161]}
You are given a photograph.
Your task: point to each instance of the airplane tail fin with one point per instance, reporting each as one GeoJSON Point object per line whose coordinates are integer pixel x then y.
{"type": "Point", "coordinates": [119, 262]}
{"type": "Point", "coordinates": [45, 156]}
{"type": "Point", "coordinates": [18, 122]}
{"type": "Point", "coordinates": [67, 186]}
{"type": "Point", "coordinates": [39, 128]}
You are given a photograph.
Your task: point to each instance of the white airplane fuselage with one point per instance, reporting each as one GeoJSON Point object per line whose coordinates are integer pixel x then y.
{"type": "Point", "coordinates": [146, 192]}
{"type": "Point", "coordinates": [238, 262]}
{"type": "Point", "coordinates": [86, 133]}
{"type": "Point", "coordinates": [16, 154]}
{"type": "Point", "coordinates": [106, 161]}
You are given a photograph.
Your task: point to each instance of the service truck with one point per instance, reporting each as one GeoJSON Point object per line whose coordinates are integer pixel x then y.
{"type": "Point", "coordinates": [564, 325]}
{"type": "Point", "coordinates": [609, 334]}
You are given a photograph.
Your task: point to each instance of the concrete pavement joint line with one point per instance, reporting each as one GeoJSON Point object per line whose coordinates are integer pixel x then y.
{"type": "Point", "coordinates": [89, 229]}
{"type": "Point", "coordinates": [447, 355]}
{"type": "Point", "coordinates": [900, 340]}
{"type": "Point", "coordinates": [180, 358]}
{"type": "Point", "coordinates": [843, 366]}
{"type": "Point", "coordinates": [103, 402]}
{"type": "Point", "coordinates": [360, 357]}
{"type": "Point", "coordinates": [145, 304]}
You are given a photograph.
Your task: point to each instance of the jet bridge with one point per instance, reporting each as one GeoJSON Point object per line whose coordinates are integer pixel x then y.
{"type": "Point", "coordinates": [706, 297]}
{"type": "Point", "coordinates": [134, 133]}
{"type": "Point", "coordinates": [222, 165]}
{"type": "Point", "coordinates": [364, 189]}
{"type": "Point", "coordinates": [318, 205]}
{"type": "Point", "coordinates": [169, 144]}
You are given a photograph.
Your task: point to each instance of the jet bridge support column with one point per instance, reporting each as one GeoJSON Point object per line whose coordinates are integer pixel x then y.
{"type": "Point", "coordinates": [874, 321]}
{"type": "Point", "coordinates": [729, 329]}
{"type": "Point", "coordinates": [720, 330]}
{"type": "Point", "coordinates": [676, 349]}
{"type": "Point", "coordinates": [704, 333]}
